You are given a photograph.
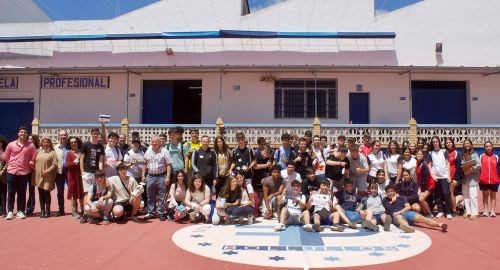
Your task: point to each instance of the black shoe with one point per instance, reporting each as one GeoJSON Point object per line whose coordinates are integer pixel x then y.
{"type": "Point", "coordinates": [59, 213]}
{"type": "Point", "coordinates": [105, 219]}
{"type": "Point", "coordinates": [135, 219]}
{"type": "Point", "coordinates": [42, 214]}
{"type": "Point", "coordinates": [162, 218]}
{"type": "Point", "coordinates": [47, 214]}
{"type": "Point", "coordinates": [84, 219]}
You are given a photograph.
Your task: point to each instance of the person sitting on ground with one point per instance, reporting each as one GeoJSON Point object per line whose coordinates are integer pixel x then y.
{"type": "Point", "coordinates": [177, 193]}
{"type": "Point", "coordinates": [294, 213]}
{"type": "Point", "coordinates": [372, 211]}
{"type": "Point", "coordinates": [402, 216]}
{"type": "Point", "coordinates": [197, 199]}
{"type": "Point", "coordinates": [322, 205]}
{"type": "Point", "coordinates": [126, 198]}
{"type": "Point", "coordinates": [348, 201]}
{"type": "Point", "coordinates": [272, 187]}
{"type": "Point", "coordinates": [100, 203]}
{"type": "Point", "coordinates": [229, 200]}
{"type": "Point", "coordinates": [409, 189]}
{"type": "Point", "coordinates": [246, 208]}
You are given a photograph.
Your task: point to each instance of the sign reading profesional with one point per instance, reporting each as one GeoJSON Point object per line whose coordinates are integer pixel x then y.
{"type": "Point", "coordinates": [88, 82]}
{"type": "Point", "coordinates": [8, 82]}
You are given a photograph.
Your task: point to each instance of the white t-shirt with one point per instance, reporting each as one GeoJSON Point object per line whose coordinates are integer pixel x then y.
{"type": "Point", "coordinates": [360, 162]}
{"type": "Point", "coordinates": [319, 163]}
{"type": "Point", "coordinates": [137, 160]}
{"type": "Point", "coordinates": [411, 165]}
{"type": "Point", "coordinates": [381, 187]}
{"type": "Point", "coordinates": [376, 162]}
{"type": "Point", "coordinates": [439, 169]}
{"type": "Point", "coordinates": [320, 201]}
{"type": "Point", "coordinates": [112, 155]}
{"type": "Point", "coordinates": [392, 165]}
{"type": "Point", "coordinates": [294, 208]}
{"type": "Point", "coordinates": [287, 179]}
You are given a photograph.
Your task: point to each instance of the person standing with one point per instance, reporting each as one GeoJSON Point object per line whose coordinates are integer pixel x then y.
{"type": "Point", "coordinates": [204, 162]}
{"type": "Point", "coordinates": [45, 175]}
{"type": "Point", "coordinates": [30, 202]}
{"type": "Point", "coordinates": [20, 157]}
{"type": "Point", "coordinates": [3, 178]}
{"type": "Point", "coordinates": [62, 170]}
{"type": "Point", "coordinates": [177, 151]}
{"type": "Point", "coordinates": [75, 184]}
{"type": "Point", "coordinates": [158, 166]}
{"type": "Point", "coordinates": [91, 160]}
{"type": "Point", "coordinates": [191, 146]}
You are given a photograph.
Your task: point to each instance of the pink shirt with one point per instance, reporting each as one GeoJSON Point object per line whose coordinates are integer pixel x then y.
{"type": "Point", "coordinates": [18, 157]}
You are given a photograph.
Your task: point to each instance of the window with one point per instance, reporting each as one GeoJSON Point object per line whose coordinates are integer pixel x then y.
{"type": "Point", "coordinates": [300, 98]}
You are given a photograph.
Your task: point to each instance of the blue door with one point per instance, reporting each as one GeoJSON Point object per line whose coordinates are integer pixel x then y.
{"type": "Point", "coordinates": [157, 102]}
{"type": "Point", "coordinates": [15, 114]}
{"type": "Point", "coordinates": [359, 108]}
{"type": "Point", "coordinates": [439, 102]}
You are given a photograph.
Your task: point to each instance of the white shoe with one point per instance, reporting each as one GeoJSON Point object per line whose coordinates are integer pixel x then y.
{"type": "Point", "coordinates": [280, 227]}
{"type": "Point", "coordinates": [20, 215]}
{"type": "Point", "coordinates": [10, 216]}
{"type": "Point", "coordinates": [448, 216]}
{"type": "Point", "coordinates": [486, 214]}
{"type": "Point", "coordinates": [440, 215]}
{"type": "Point", "coordinates": [308, 228]}
{"type": "Point", "coordinates": [250, 219]}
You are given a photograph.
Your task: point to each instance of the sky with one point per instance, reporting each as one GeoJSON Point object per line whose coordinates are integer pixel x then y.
{"type": "Point", "coordinates": [108, 9]}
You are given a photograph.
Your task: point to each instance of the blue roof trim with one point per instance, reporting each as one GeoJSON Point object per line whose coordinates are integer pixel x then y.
{"type": "Point", "coordinates": [201, 35]}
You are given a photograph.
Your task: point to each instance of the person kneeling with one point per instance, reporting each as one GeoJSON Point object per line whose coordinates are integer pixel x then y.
{"type": "Point", "coordinates": [125, 193]}
{"type": "Point", "coordinates": [293, 212]}
{"type": "Point", "coordinates": [401, 213]}
{"type": "Point", "coordinates": [100, 202]}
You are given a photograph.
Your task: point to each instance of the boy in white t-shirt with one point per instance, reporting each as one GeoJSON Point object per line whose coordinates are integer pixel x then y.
{"type": "Point", "coordinates": [293, 212]}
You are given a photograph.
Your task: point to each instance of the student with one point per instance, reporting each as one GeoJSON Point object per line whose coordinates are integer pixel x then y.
{"type": "Point", "coordinates": [123, 191]}
{"type": "Point", "coordinates": [246, 208]}
{"type": "Point", "coordinates": [223, 163]}
{"type": "Point", "coordinates": [323, 205]}
{"type": "Point", "coordinates": [289, 174]}
{"type": "Point", "coordinates": [425, 183]}
{"type": "Point", "coordinates": [348, 202]}
{"type": "Point", "coordinates": [488, 180]}
{"type": "Point", "coordinates": [99, 202]}
{"type": "Point", "coordinates": [45, 175]}
{"type": "Point", "coordinates": [204, 162]}
{"type": "Point", "coordinates": [243, 157]}
{"type": "Point", "coordinates": [392, 159]}
{"type": "Point", "coordinates": [303, 159]}
{"type": "Point", "coordinates": [263, 158]}
{"type": "Point", "coordinates": [318, 157]}
{"type": "Point", "coordinates": [285, 152]}
{"type": "Point", "coordinates": [134, 160]}
{"type": "Point", "coordinates": [177, 193]}
{"type": "Point", "coordinates": [337, 168]}
{"type": "Point", "coordinates": [293, 212]}
{"type": "Point", "coordinates": [332, 149]}
{"type": "Point", "coordinates": [400, 211]}
{"type": "Point", "coordinates": [177, 151]}
{"type": "Point", "coordinates": [272, 188]}
{"type": "Point", "coordinates": [409, 189]}
{"type": "Point", "coordinates": [112, 154]}
{"type": "Point", "coordinates": [192, 146]}
{"type": "Point", "coordinates": [310, 184]}
{"type": "Point", "coordinates": [91, 160]}
{"type": "Point", "coordinates": [358, 169]}
{"type": "Point", "coordinates": [381, 182]}
{"type": "Point", "coordinates": [455, 170]}
{"type": "Point", "coordinates": [440, 170]}
{"type": "Point", "coordinates": [366, 147]}
{"type": "Point", "coordinates": [471, 168]}
{"type": "Point", "coordinates": [198, 199]}
{"type": "Point", "coordinates": [407, 161]}
{"type": "Point", "coordinates": [372, 211]}
{"type": "Point", "coordinates": [377, 161]}
{"type": "Point", "coordinates": [228, 200]}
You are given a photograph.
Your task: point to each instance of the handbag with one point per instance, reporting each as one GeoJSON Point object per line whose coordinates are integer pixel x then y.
{"type": "Point", "coordinates": [180, 212]}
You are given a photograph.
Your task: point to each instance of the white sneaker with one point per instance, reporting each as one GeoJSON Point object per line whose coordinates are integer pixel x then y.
{"type": "Point", "coordinates": [20, 215]}
{"type": "Point", "coordinates": [448, 216]}
{"type": "Point", "coordinates": [308, 228]}
{"type": "Point", "coordinates": [250, 219]}
{"type": "Point", "coordinates": [486, 214]}
{"type": "Point", "coordinates": [10, 216]}
{"type": "Point", "coordinates": [440, 215]}
{"type": "Point", "coordinates": [280, 227]}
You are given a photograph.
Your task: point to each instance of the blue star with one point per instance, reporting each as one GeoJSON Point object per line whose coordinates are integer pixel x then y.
{"type": "Point", "coordinates": [403, 246]}
{"type": "Point", "coordinates": [378, 254]}
{"type": "Point", "coordinates": [405, 237]}
{"type": "Point", "coordinates": [205, 244]}
{"type": "Point", "coordinates": [332, 259]}
{"type": "Point", "coordinates": [277, 258]}
{"type": "Point", "coordinates": [196, 235]}
{"type": "Point", "coordinates": [230, 252]}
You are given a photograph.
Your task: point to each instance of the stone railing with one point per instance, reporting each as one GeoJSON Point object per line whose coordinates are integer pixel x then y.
{"type": "Point", "coordinates": [272, 132]}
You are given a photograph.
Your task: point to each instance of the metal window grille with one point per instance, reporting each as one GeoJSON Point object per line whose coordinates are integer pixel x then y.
{"type": "Point", "coordinates": [305, 98]}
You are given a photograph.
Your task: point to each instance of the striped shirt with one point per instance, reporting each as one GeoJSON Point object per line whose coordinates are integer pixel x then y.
{"type": "Point", "coordinates": [157, 162]}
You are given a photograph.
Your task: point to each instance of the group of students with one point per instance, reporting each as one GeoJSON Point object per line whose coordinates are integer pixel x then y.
{"type": "Point", "coordinates": [305, 180]}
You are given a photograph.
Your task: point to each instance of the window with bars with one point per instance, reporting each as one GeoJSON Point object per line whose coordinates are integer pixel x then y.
{"type": "Point", "coordinates": [305, 98]}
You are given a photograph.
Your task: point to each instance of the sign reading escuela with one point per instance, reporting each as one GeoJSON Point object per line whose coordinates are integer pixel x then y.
{"type": "Point", "coordinates": [89, 82]}
{"type": "Point", "coordinates": [8, 82]}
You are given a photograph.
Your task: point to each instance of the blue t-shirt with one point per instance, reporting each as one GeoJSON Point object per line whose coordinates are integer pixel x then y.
{"type": "Point", "coordinates": [348, 201]}
{"type": "Point", "coordinates": [398, 205]}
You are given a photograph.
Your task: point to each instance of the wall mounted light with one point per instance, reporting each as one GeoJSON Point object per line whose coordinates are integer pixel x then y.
{"type": "Point", "coordinates": [169, 51]}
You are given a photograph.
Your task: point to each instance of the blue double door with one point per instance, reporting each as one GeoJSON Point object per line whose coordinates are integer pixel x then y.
{"type": "Point", "coordinates": [171, 102]}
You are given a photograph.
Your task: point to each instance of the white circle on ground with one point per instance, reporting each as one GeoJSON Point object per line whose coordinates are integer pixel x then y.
{"type": "Point", "coordinates": [258, 244]}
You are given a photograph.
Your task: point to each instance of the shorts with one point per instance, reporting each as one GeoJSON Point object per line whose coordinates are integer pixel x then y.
{"type": "Point", "coordinates": [293, 220]}
{"type": "Point", "coordinates": [409, 216]}
{"type": "Point", "coordinates": [490, 187]}
{"type": "Point", "coordinates": [353, 216]}
{"type": "Point", "coordinates": [324, 217]}
{"type": "Point", "coordinates": [127, 207]}
{"type": "Point", "coordinates": [88, 180]}
{"type": "Point", "coordinates": [378, 218]}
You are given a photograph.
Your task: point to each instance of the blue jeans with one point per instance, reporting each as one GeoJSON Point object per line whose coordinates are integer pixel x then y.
{"type": "Point", "coordinates": [61, 179]}
{"type": "Point", "coordinates": [155, 186]}
{"type": "Point", "coordinates": [30, 203]}
{"type": "Point", "coordinates": [16, 184]}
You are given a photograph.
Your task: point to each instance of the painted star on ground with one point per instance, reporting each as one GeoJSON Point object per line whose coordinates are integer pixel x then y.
{"type": "Point", "coordinates": [405, 237]}
{"type": "Point", "coordinates": [230, 252]}
{"type": "Point", "coordinates": [331, 258]}
{"type": "Point", "coordinates": [377, 254]}
{"type": "Point", "coordinates": [196, 235]}
{"type": "Point", "coordinates": [204, 244]}
{"type": "Point", "coordinates": [403, 246]}
{"type": "Point", "coordinates": [277, 258]}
